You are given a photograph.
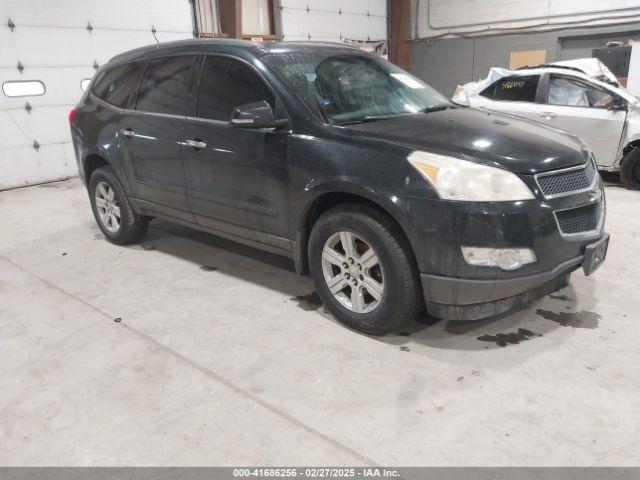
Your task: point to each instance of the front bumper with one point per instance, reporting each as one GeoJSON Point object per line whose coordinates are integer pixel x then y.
{"type": "Point", "coordinates": [472, 299]}
{"type": "Point", "coordinates": [461, 291]}
{"type": "Point", "coordinates": [453, 289]}
{"type": "Point", "coordinates": [477, 311]}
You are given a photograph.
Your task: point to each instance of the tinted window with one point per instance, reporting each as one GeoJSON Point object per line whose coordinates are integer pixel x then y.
{"type": "Point", "coordinates": [164, 86]}
{"type": "Point", "coordinates": [574, 93]}
{"type": "Point", "coordinates": [118, 84]}
{"type": "Point", "coordinates": [227, 83]}
{"type": "Point", "coordinates": [514, 89]}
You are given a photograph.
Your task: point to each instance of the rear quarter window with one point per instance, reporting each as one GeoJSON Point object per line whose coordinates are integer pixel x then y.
{"type": "Point", "coordinates": [117, 85]}
{"type": "Point", "coordinates": [513, 89]}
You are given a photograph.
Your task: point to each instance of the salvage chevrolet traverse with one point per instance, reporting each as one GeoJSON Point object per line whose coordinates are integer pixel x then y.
{"type": "Point", "coordinates": [394, 198]}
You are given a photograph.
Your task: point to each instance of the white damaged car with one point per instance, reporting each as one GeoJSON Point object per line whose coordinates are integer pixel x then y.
{"type": "Point", "coordinates": [581, 97]}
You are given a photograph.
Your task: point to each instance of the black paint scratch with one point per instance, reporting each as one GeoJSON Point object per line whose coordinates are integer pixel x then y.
{"type": "Point", "coordinates": [581, 319]}
{"type": "Point", "coordinates": [504, 339]}
{"type": "Point", "coordinates": [208, 268]}
{"type": "Point", "coordinates": [309, 302]}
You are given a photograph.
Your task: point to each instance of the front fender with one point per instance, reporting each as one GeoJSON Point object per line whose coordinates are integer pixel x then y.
{"type": "Point", "coordinates": [396, 207]}
{"type": "Point", "coordinates": [391, 203]}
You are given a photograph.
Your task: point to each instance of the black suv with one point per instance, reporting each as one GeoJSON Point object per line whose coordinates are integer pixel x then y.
{"type": "Point", "coordinates": [393, 197]}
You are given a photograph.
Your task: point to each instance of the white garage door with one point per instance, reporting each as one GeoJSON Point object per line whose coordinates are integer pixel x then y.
{"type": "Point", "coordinates": [59, 43]}
{"type": "Point", "coordinates": [334, 20]}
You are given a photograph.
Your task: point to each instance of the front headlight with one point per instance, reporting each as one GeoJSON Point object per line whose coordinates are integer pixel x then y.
{"type": "Point", "coordinates": [456, 179]}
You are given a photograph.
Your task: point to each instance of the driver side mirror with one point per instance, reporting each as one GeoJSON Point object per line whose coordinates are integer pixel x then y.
{"type": "Point", "coordinates": [255, 115]}
{"type": "Point", "coordinates": [618, 104]}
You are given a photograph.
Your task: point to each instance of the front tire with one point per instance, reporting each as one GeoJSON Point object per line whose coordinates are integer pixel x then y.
{"type": "Point", "coordinates": [363, 269]}
{"type": "Point", "coordinates": [112, 210]}
{"type": "Point", "coordinates": [630, 170]}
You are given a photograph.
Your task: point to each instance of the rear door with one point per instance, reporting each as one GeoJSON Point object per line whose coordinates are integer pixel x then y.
{"type": "Point", "coordinates": [150, 136]}
{"type": "Point", "coordinates": [237, 180]}
{"type": "Point", "coordinates": [516, 94]}
{"type": "Point", "coordinates": [584, 109]}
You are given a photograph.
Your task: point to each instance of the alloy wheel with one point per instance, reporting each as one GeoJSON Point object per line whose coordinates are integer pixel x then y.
{"type": "Point", "coordinates": [107, 207]}
{"type": "Point", "coordinates": [353, 272]}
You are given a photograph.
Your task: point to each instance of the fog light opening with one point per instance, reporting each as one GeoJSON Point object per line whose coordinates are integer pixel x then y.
{"type": "Point", "coordinates": [504, 258]}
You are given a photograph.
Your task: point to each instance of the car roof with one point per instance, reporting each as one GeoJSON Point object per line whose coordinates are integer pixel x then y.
{"type": "Point", "coordinates": [205, 45]}
{"type": "Point", "coordinates": [574, 72]}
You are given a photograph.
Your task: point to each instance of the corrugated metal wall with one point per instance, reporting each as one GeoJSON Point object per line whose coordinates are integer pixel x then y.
{"type": "Point", "coordinates": [448, 62]}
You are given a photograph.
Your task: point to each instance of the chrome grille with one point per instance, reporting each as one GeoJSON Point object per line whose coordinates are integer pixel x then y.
{"type": "Point", "coordinates": [567, 181]}
{"type": "Point", "coordinates": [581, 220]}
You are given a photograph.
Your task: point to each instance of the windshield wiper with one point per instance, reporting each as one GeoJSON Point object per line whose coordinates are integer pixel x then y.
{"type": "Point", "coordinates": [375, 118]}
{"type": "Point", "coordinates": [437, 108]}
{"type": "Point", "coordinates": [371, 118]}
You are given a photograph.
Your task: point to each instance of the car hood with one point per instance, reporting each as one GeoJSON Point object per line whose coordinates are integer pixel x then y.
{"type": "Point", "coordinates": [518, 145]}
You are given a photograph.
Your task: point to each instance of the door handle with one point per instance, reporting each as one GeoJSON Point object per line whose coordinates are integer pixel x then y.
{"type": "Point", "coordinates": [127, 132]}
{"type": "Point", "coordinates": [548, 114]}
{"type": "Point", "coordinates": [197, 144]}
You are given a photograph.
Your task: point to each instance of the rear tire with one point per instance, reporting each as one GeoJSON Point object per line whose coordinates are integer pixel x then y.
{"type": "Point", "coordinates": [371, 286]}
{"type": "Point", "coordinates": [112, 209]}
{"type": "Point", "coordinates": [630, 170]}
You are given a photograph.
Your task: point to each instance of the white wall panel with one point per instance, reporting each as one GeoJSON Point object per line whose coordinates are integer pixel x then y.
{"type": "Point", "coordinates": [174, 15]}
{"type": "Point", "coordinates": [334, 20]}
{"type": "Point", "coordinates": [453, 13]}
{"type": "Point", "coordinates": [60, 90]}
{"type": "Point", "coordinates": [11, 136]}
{"type": "Point", "coordinates": [39, 47]}
{"type": "Point", "coordinates": [51, 41]}
{"type": "Point", "coordinates": [480, 17]}
{"type": "Point", "coordinates": [45, 125]}
{"type": "Point", "coordinates": [566, 7]}
{"type": "Point", "coordinates": [26, 166]}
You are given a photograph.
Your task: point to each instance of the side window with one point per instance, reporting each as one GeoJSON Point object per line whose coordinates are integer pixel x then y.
{"type": "Point", "coordinates": [514, 89]}
{"type": "Point", "coordinates": [117, 85]}
{"type": "Point", "coordinates": [574, 93]}
{"type": "Point", "coordinates": [225, 84]}
{"type": "Point", "coordinates": [165, 84]}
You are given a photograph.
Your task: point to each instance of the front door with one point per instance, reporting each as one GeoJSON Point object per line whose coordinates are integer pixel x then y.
{"type": "Point", "coordinates": [583, 109]}
{"type": "Point", "coordinates": [150, 136]}
{"type": "Point", "coordinates": [237, 180]}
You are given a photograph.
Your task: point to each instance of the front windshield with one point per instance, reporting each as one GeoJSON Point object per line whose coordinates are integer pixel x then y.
{"type": "Point", "coordinates": [352, 87]}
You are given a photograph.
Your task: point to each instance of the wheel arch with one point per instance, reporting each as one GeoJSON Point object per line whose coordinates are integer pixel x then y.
{"type": "Point", "coordinates": [629, 174]}
{"type": "Point", "coordinates": [630, 146]}
{"type": "Point", "coordinates": [330, 199]}
{"type": "Point", "coordinates": [91, 163]}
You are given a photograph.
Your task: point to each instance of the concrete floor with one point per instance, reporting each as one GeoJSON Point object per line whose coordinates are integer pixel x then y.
{"type": "Point", "coordinates": [191, 350]}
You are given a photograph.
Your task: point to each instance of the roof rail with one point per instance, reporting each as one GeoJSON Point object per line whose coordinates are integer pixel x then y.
{"type": "Point", "coordinates": [550, 65]}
